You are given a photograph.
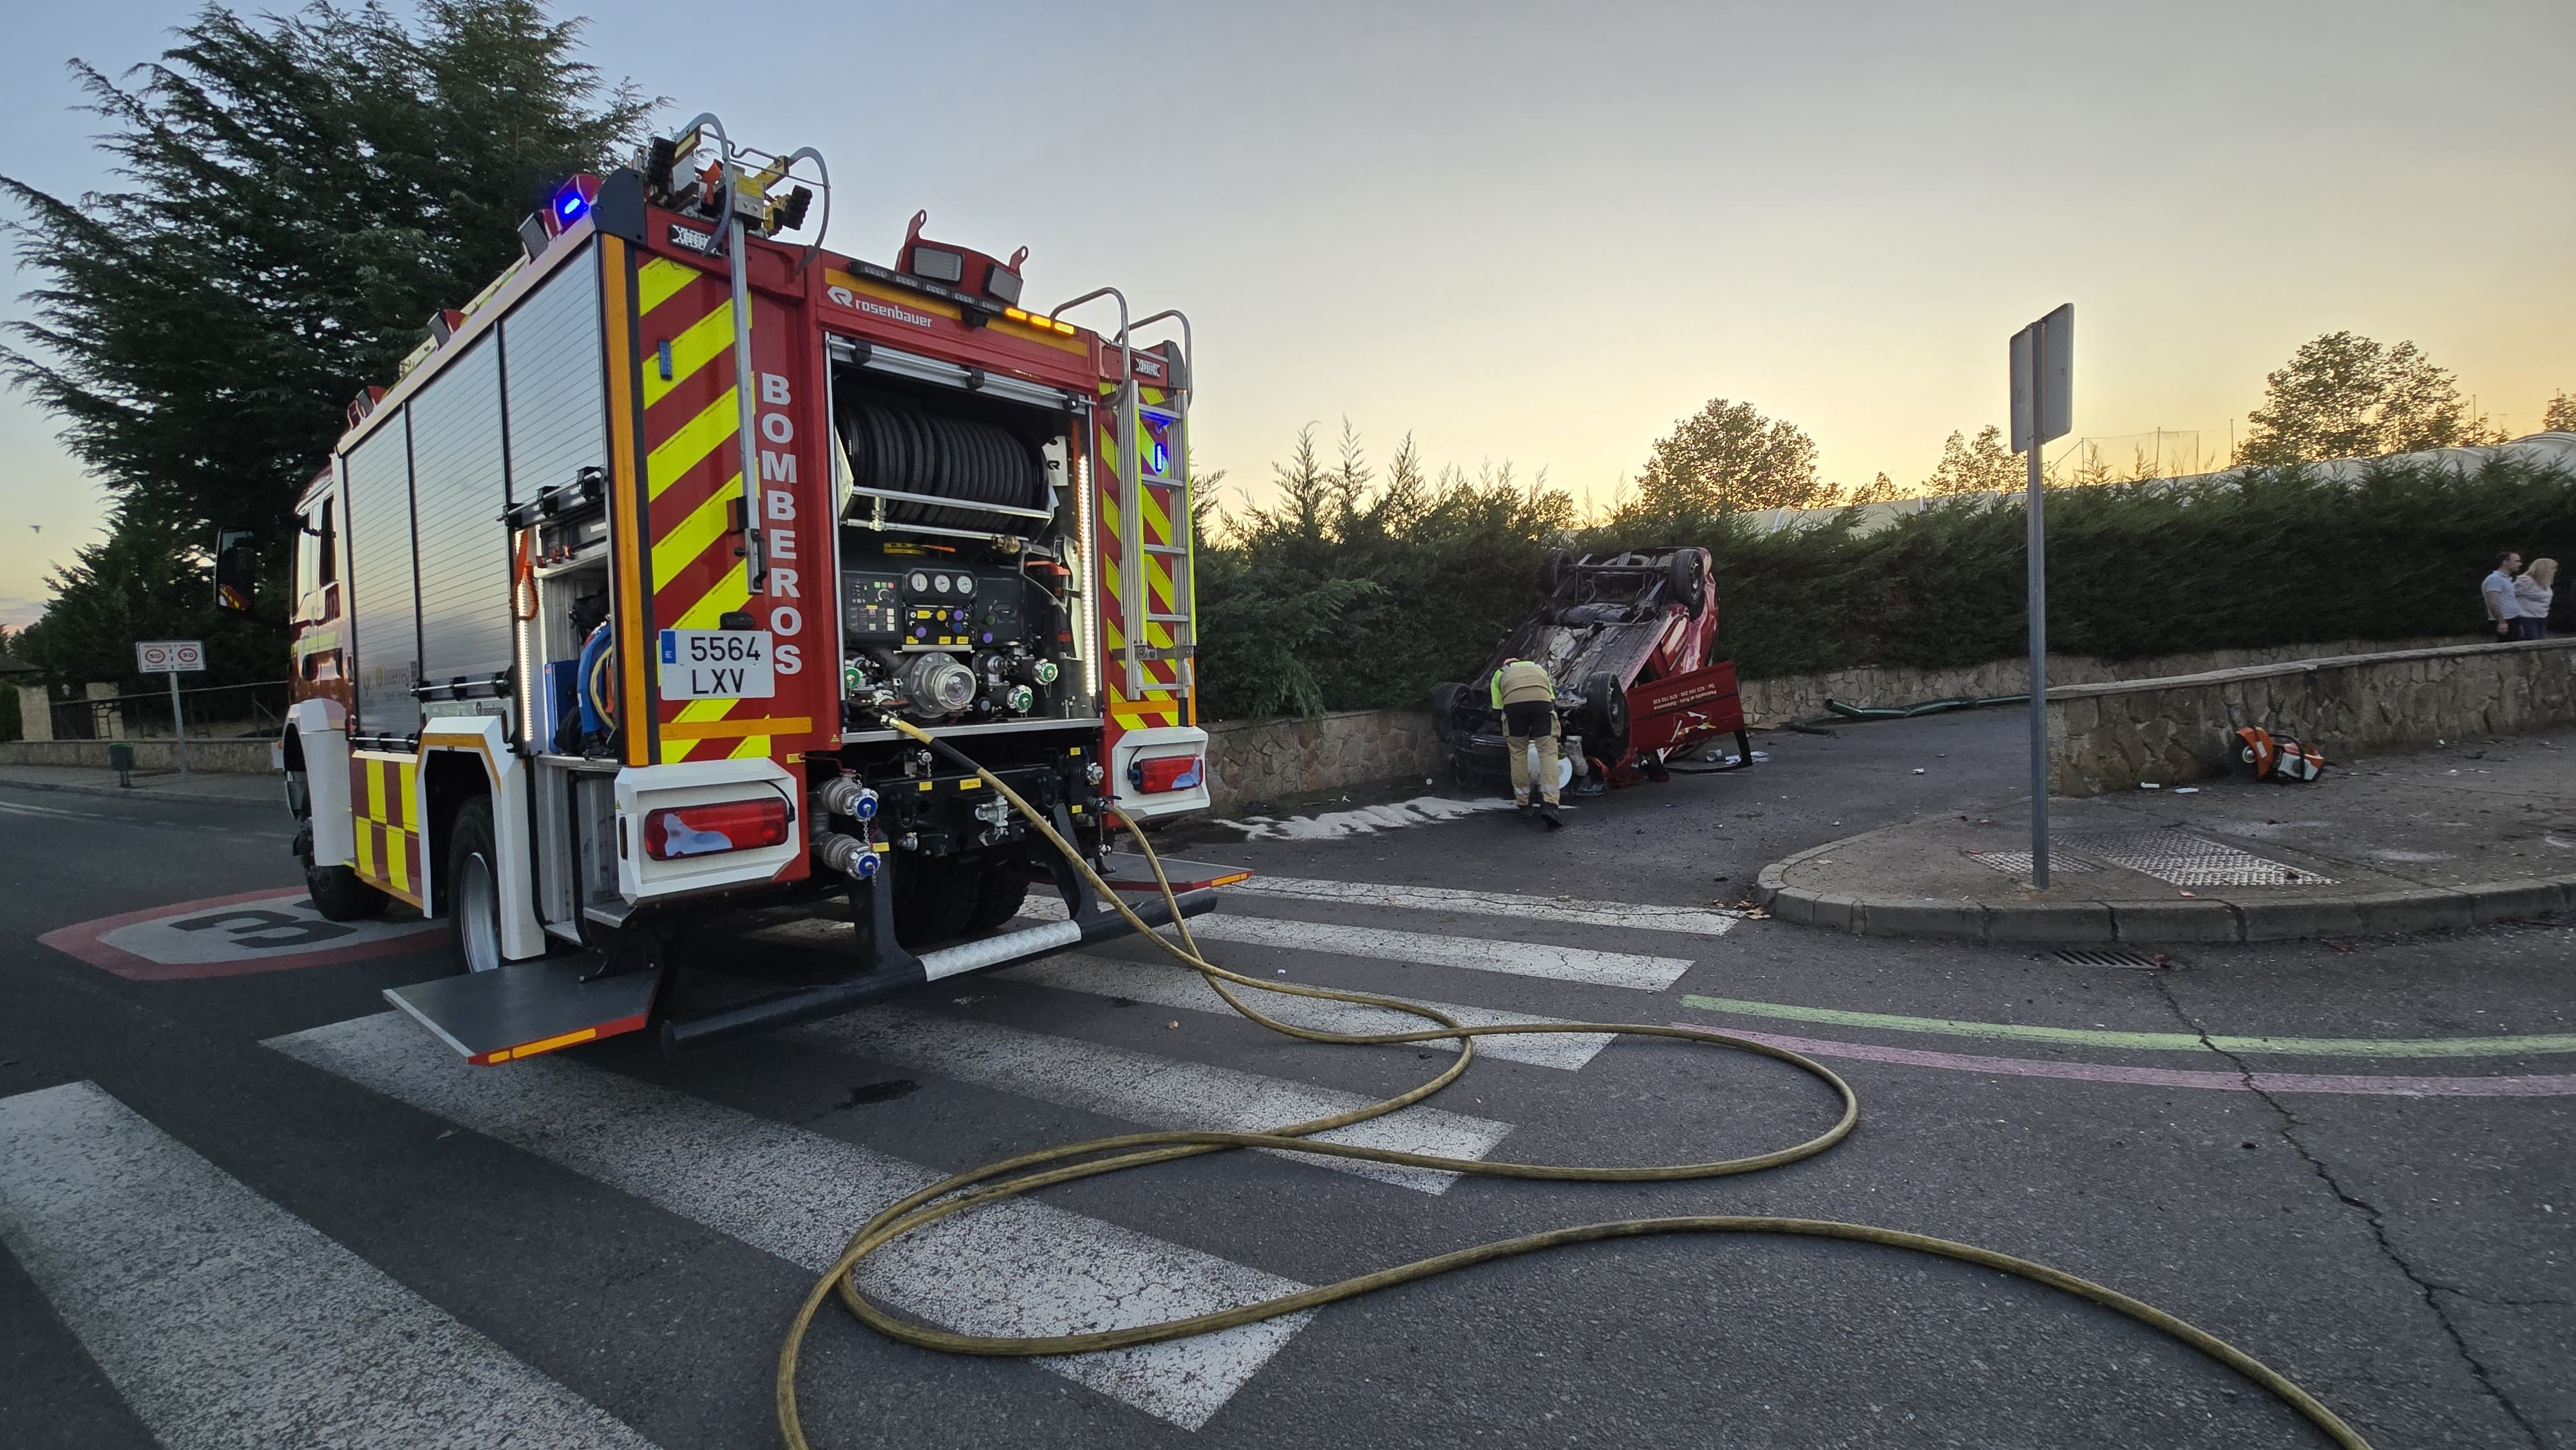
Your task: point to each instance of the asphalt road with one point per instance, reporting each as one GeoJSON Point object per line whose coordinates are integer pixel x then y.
{"type": "Point", "coordinates": [602, 1247]}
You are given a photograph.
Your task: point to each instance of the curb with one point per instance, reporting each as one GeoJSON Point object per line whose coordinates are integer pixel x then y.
{"type": "Point", "coordinates": [2208, 919]}
{"type": "Point", "coordinates": [139, 793]}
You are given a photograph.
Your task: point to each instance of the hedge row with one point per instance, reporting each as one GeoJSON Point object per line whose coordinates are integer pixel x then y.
{"type": "Point", "coordinates": [1319, 617]}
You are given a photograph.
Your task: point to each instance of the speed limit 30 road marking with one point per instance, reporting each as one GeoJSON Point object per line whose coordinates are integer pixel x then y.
{"type": "Point", "coordinates": [229, 936]}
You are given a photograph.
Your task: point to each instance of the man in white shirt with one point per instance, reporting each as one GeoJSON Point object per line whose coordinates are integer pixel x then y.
{"type": "Point", "coordinates": [2497, 591]}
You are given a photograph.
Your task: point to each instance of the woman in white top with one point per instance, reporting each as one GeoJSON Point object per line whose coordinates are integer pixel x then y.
{"type": "Point", "coordinates": [2533, 589]}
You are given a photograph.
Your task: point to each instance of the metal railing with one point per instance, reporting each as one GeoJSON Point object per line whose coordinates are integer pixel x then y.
{"type": "Point", "coordinates": [212, 712]}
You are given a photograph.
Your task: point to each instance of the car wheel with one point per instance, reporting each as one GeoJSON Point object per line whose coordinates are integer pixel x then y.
{"type": "Point", "coordinates": [1445, 700]}
{"type": "Point", "coordinates": [1682, 580]}
{"type": "Point", "coordinates": [1605, 707]}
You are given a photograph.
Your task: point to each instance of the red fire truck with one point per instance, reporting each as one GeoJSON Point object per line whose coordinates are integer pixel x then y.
{"type": "Point", "coordinates": [606, 603]}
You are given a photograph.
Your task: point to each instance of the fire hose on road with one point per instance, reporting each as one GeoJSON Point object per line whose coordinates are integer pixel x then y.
{"type": "Point", "coordinates": [1029, 1172]}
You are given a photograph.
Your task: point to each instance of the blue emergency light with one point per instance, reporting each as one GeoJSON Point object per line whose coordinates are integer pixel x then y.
{"type": "Point", "coordinates": [571, 203]}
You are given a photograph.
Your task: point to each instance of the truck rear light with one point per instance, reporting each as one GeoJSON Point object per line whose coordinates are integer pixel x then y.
{"type": "Point", "coordinates": [1171, 772]}
{"type": "Point", "coordinates": [676, 832]}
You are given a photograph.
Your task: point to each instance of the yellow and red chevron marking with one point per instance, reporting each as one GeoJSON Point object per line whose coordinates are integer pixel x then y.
{"type": "Point", "coordinates": [692, 480]}
{"type": "Point", "coordinates": [1119, 615]}
{"type": "Point", "coordinates": [386, 822]}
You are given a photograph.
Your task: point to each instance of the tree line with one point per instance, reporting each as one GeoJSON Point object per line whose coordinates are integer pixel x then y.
{"type": "Point", "coordinates": [288, 201]}
{"type": "Point", "coordinates": [291, 197]}
{"type": "Point", "coordinates": [2340, 395]}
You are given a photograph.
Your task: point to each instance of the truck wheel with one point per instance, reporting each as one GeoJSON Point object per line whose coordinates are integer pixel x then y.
{"type": "Point", "coordinates": [336, 890]}
{"type": "Point", "coordinates": [1005, 886]}
{"type": "Point", "coordinates": [474, 888]}
{"type": "Point", "coordinates": [339, 895]}
{"type": "Point", "coordinates": [934, 901]}
{"type": "Point", "coordinates": [1551, 570]}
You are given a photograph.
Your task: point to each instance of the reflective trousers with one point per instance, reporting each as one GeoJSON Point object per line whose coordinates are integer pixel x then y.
{"type": "Point", "coordinates": [1516, 745]}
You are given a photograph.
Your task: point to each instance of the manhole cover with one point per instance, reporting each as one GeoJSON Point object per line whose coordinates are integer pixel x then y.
{"type": "Point", "coordinates": [2107, 957]}
{"type": "Point", "coordinates": [2190, 861]}
{"type": "Point", "coordinates": [2018, 863]}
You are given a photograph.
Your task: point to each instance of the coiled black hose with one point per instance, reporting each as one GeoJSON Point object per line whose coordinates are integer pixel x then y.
{"type": "Point", "coordinates": [903, 450]}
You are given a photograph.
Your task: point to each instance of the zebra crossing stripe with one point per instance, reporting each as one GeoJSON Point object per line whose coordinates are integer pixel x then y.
{"type": "Point", "coordinates": [226, 1321]}
{"type": "Point", "coordinates": [1519, 959]}
{"type": "Point", "coordinates": [1016, 1268]}
{"type": "Point", "coordinates": [1627, 914]}
{"type": "Point", "coordinates": [1170, 985]}
{"type": "Point", "coordinates": [1160, 1092]}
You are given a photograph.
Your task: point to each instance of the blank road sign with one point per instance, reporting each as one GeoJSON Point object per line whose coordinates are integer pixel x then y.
{"type": "Point", "coordinates": [2043, 380]}
{"type": "Point", "coordinates": [168, 656]}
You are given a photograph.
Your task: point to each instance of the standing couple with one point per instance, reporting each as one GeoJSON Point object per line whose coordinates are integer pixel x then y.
{"type": "Point", "coordinates": [2518, 599]}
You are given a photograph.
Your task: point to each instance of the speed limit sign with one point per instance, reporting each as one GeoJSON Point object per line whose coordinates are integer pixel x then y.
{"type": "Point", "coordinates": [168, 656]}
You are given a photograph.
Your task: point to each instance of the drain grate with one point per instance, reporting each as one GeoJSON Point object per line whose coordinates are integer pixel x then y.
{"type": "Point", "coordinates": [2018, 863]}
{"type": "Point", "coordinates": [2107, 957]}
{"type": "Point", "coordinates": [2190, 861]}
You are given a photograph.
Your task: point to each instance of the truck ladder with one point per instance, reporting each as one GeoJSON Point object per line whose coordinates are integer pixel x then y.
{"type": "Point", "coordinates": [1141, 425]}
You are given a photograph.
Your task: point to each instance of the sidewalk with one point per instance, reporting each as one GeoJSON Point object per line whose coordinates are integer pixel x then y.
{"type": "Point", "coordinates": [264, 788]}
{"type": "Point", "coordinates": [2476, 832]}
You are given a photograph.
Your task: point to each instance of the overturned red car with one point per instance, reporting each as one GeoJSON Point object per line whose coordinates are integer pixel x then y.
{"type": "Point", "coordinates": [1628, 638]}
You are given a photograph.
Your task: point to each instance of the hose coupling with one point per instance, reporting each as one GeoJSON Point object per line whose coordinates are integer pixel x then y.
{"type": "Point", "coordinates": [848, 855]}
{"type": "Point", "coordinates": [843, 795]}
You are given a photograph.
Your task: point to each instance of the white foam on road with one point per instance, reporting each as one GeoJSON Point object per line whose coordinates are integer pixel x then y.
{"type": "Point", "coordinates": [1017, 1268]}
{"type": "Point", "coordinates": [226, 1321]}
{"type": "Point", "coordinates": [1362, 820]}
{"type": "Point", "coordinates": [1159, 1092]}
{"type": "Point", "coordinates": [1172, 985]}
{"type": "Point", "coordinates": [1626, 914]}
{"type": "Point", "coordinates": [1519, 959]}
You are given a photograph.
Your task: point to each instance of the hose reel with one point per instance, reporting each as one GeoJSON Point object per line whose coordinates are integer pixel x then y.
{"type": "Point", "coordinates": [935, 457]}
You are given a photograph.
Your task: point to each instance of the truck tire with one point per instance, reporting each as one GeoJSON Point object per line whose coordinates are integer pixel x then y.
{"type": "Point", "coordinates": [934, 901]}
{"type": "Point", "coordinates": [336, 891]}
{"type": "Point", "coordinates": [1551, 570]}
{"type": "Point", "coordinates": [998, 898]}
{"type": "Point", "coordinates": [473, 888]}
{"type": "Point", "coordinates": [339, 895]}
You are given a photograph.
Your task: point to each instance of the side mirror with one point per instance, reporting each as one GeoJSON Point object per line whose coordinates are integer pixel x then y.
{"type": "Point", "coordinates": [236, 567]}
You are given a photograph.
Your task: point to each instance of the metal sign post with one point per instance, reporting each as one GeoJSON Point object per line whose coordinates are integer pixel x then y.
{"type": "Point", "coordinates": [172, 657]}
{"type": "Point", "coordinates": [2043, 407]}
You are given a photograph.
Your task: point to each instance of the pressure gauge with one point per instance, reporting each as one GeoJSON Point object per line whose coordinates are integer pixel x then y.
{"type": "Point", "coordinates": [940, 583]}
{"type": "Point", "coordinates": [920, 582]}
{"type": "Point", "coordinates": [966, 584]}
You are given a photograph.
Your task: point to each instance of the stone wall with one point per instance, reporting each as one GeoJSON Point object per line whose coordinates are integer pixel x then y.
{"type": "Point", "coordinates": [1769, 704]}
{"type": "Point", "coordinates": [1272, 760]}
{"type": "Point", "coordinates": [232, 757]}
{"type": "Point", "coordinates": [2106, 737]}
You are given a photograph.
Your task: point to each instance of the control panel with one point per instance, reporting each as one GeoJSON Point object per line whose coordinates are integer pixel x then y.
{"type": "Point", "coordinates": [871, 612]}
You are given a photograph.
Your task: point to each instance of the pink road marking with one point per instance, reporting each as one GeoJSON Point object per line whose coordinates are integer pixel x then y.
{"type": "Point", "coordinates": [2537, 1085]}
{"type": "Point", "coordinates": [82, 940]}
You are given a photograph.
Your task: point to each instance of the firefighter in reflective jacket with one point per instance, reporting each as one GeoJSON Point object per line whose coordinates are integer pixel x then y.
{"type": "Point", "coordinates": [1526, 695]}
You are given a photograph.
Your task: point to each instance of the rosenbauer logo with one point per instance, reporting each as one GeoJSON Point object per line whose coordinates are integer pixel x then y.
{"type": "Point", "coordinates": [693, 239]}
{"type": "Point", "coordinates": [874, 308]}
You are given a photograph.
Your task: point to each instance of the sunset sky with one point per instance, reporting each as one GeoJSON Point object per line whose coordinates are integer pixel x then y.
{"type": "Point", "coordinates": [1543, 233]}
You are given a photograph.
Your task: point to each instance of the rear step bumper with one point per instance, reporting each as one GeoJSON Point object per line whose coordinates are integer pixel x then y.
{"type": "Point", "coordinates": [526, 1008]}
{"type": "Point", "coordinates": [829, 999]}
